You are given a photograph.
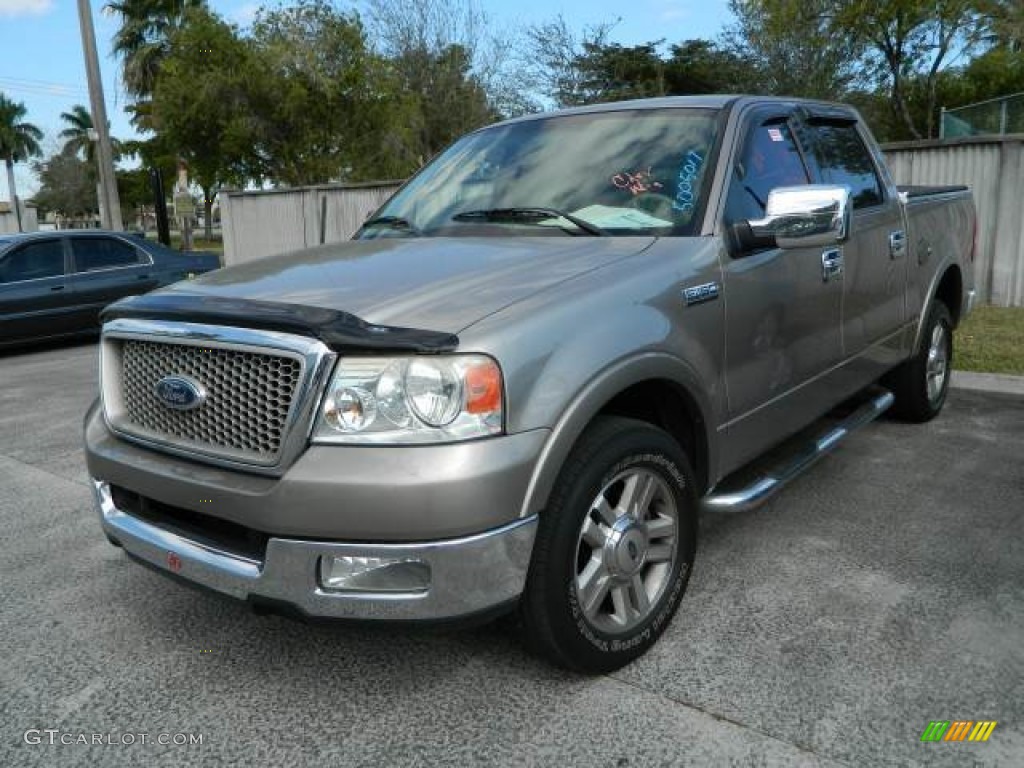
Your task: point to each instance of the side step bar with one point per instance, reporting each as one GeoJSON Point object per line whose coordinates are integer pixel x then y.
{"type": "Point", "coordinates": [759, 487]}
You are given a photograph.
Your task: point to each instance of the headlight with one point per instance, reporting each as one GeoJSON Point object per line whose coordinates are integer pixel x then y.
{"type": "Point", "coordinates": [390, 400]}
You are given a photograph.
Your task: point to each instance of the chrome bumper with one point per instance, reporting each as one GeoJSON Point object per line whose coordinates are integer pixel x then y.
{"type": "Point", "coordinates": [467, 575]}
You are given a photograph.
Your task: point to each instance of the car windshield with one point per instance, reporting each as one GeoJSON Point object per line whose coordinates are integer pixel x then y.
{"type": "Point", "coordinates": [624, 172]}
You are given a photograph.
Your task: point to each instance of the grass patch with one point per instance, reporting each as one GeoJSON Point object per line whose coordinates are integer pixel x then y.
{"type": "Point", "coordinates": [991, 340]}
{"type": "Point", "coordinates": [216, 245]}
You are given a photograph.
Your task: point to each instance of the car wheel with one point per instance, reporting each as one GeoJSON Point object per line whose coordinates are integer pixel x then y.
{"type": "Point", "coordinates": [614, 548]}
{"type": "Point", "coordinates": [922, 382]}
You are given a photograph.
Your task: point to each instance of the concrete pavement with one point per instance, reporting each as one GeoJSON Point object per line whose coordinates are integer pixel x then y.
{"type": "Point", "coordinates": [882, 590]}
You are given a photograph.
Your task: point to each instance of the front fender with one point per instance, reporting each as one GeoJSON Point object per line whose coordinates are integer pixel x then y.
{"type": "Point", "coordinates": [593, 396]}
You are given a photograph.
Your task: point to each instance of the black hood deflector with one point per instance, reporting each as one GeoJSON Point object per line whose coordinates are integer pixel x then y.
{"type": "Point", "coordinates": [341, 331]}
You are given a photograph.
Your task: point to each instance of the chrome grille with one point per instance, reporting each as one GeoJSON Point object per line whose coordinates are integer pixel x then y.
{"type": "Point", "coordinates": [245, 415]}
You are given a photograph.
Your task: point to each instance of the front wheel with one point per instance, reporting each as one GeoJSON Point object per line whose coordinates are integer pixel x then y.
{"type": "Point", "coordinates": [614, 549]}
{"type": "Point", "coordinates": [922, 382]}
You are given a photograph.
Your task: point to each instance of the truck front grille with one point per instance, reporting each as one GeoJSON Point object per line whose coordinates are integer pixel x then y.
{"type": "Point", "coordinates": [246, 411]}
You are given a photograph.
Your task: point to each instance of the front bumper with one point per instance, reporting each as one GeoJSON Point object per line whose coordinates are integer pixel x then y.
{"type": "Point", "coordinates": [468, 575]}
{"type": "Point", "coordinates": [337, 492]}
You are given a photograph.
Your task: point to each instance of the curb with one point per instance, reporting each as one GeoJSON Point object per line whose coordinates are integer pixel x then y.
{"type": "Point", "coordinates": [999, 383]}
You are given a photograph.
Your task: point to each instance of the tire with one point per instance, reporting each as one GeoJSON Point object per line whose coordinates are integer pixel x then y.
{"type": "Point", "coordinates": [607, 575]}
{"type": "Point", "coordinates": [921, 384]}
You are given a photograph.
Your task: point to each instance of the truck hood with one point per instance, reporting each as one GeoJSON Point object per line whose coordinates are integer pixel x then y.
{"type": "Point", "coordinates": [442, 284]}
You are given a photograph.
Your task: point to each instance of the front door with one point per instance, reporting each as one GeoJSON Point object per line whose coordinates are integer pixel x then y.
{"type": "Point", "coordinates": [783, 329]}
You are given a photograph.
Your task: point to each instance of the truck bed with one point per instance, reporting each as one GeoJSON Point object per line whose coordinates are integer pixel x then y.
{"type": "Point", "coordinates": [920, 191]}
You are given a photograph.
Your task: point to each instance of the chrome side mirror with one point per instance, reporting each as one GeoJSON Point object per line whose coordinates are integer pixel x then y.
{"type": "Point", "coordinates": [811, 216]}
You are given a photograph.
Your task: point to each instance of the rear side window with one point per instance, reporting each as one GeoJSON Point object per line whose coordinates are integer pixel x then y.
{"type": "Point", "coordinates": [32, 262]}
{"type": "Point", "coordinates": [93, 253]}
{"type": "Point", "coordinates": [843, 159]}
{"type": "Point", "coordinates": [769, 160]}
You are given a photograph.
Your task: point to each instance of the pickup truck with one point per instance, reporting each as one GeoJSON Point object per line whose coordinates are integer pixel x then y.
{"type": "Point", "coordinates": [532, 369]}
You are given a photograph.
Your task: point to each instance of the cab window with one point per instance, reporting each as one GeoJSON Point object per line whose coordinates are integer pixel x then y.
{"type": "Point", "coordinates": [843, 159]}
{"type": "Point", "coordinates": [33, 261]}
{"type": "Point", "coordinates": [769, 159]}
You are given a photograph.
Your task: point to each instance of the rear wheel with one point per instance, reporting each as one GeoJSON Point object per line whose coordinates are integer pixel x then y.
{"type": "Point", "coordinates": [922, 382]}
{"type": "Point", "coordinates": [614, 549]}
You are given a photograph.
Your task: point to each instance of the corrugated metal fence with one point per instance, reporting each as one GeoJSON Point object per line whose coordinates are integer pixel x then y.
{"type": "Point", "coordinates": [993, 167]}
{"type": "Point", "coordinates": [264, 223]}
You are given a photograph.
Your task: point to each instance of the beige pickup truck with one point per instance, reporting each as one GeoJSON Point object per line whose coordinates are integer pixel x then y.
{"type": "Point", "coordinates": [531, 370]}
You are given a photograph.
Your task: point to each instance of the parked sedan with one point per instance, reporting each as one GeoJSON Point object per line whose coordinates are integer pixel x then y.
{"type": "Point", "coordinates": [54, 284]}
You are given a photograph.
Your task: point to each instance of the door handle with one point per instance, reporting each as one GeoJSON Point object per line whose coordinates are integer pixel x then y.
{"type": "Point", "coordinates": [897, 244]}
{"type": "Point", "coordinates": [831, 263]}
{"type": "Point", "coordinates": [56, 287]}
{"type": "Point", "coordinates": [142, 277]}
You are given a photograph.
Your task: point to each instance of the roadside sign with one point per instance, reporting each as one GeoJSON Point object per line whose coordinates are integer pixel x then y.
{"type": "Point", "coordinates": [184, 206]}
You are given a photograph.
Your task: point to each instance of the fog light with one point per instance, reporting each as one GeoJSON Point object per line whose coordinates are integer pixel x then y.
{"type": "Point", "coordinates": [374, 574]}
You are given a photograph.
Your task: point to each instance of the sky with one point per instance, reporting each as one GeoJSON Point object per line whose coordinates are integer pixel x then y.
{"type": "Point", "coordinates": [42, 65]}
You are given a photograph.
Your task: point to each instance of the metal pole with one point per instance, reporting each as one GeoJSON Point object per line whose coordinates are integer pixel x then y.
{"type": "Point", "coordinates": [109, 199]}
{"type": "Point", "coordinates": [1002, 117]}
{"type": "Point", "coordinates": [163, 228]}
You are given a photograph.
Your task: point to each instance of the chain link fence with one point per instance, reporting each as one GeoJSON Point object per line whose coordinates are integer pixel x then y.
{"type": "Point", "coordinates": [994, 117]}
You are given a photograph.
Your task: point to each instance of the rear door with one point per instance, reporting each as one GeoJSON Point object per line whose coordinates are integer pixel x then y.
{"type": "Point", "coordinates": [875, 259]}
{"type": "Point", "coordinates": [34, 292]}
{"type": "Point", "coordinates": [105, 269]}
{"type": "Point", "coordinates": [783, 330]}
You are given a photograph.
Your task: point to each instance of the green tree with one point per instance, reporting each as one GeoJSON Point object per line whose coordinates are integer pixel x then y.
{"type": "Point", "coordinates": [67, 185]}
{"type": "Point", "coordinates": [19, 141]}
{"type": "Point", "coordinates": [325, 103]}
{"type": "Point", "coordinates": [898, 42]}
{"type": "Point", "coordinates": [614, 72]}
{"type": "Point", "coordinates": [202, 103]}
{"type": "Point", "coordinates": [908, 37]}
{"type": "Point", "coordinates": [997, 72]}
{"type": "Point", "coordinates": [551, 56]}
{"type": "Point", "coordinates": [792, 59]}
{"type": "Point", "coordinates": [703, 66]}
{"type": "Point", "coordinates": [451, 73]}
{"type": "Point", "coordinates": [1006, 22]}
{"type": "Point", "coordinates": [77, 137]}
{"type": "Point", "coordinates": [135, 193]}
{"type": "Point", "coordinates": [143, 40]}
{"type": "Point", "coordinates": [444, 100]}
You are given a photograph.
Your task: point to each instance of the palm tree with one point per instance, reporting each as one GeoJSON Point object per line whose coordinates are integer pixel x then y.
{"type": "Point", "coordinates": [78, 138]}
{"type": "Point", "coordinates": [18, 141]}
{"type": "Point", "coordinates": [143, 41]}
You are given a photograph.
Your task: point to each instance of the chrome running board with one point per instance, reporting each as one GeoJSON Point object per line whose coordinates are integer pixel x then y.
{"type": "Point", "coordinates": [754, 488]}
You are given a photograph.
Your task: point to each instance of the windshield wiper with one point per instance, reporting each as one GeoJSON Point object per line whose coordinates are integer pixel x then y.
{"type": "Point", "coordinates": [530, 213]}
{"type": "Point", "coordinates": [392, 222]}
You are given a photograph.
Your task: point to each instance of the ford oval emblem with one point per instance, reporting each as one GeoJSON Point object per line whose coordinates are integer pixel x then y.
{"type": "Point", "coordinates": [180, 392]}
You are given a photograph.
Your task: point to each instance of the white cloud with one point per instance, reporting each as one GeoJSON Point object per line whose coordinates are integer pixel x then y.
{"type": "Point", "coordinates": [25, 7]}
{"type": "Point", "coordinates": [672, 10]}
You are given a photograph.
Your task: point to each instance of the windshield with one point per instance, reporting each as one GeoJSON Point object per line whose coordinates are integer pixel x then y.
{"type": "Point", "coordinates": [629, 172]}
